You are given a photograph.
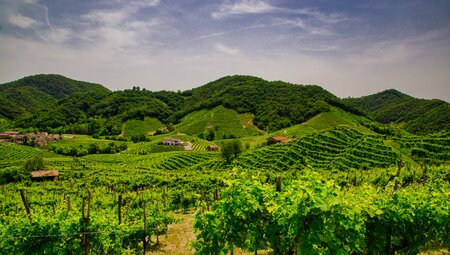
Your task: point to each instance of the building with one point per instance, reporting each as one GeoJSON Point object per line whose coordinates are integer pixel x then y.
{"type": "Point", "coordinates": [45, 175]}
{"type": "Point", "coordinates": [8, 134]}
{"type": "Point", "coordinates": [172, 141]}
{"type": "Point", "coordinates": [212, 147]}
{"type": "Point", "coordinates": [277, 139]}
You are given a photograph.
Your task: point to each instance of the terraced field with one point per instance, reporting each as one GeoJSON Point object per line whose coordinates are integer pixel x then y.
{"type": "Point", "coordinates": [224, 121]}
{"type": "Point", "coordinates": [16, 155]}
{"type": "Point", "coordinates": [340, 148]}
{"type": "Point", "coordinates": [431, 149]}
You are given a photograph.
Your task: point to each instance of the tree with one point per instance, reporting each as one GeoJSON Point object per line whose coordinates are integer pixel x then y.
{"type": "Point", "coordinates": [231, 149]}
{"type": "Point", "coordinates": [34, 164]}
{"type": "Point", "coordinates": [210, 135]}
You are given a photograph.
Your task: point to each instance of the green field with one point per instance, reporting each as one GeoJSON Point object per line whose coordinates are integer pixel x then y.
{"type": "Point", "coordinates": [141, 127]}
{"type": "Point", "coordinates": [222, 120]}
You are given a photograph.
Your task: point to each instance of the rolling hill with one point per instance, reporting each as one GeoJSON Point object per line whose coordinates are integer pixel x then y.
{"type": "Point", "coordinates": [41, 92]}
{"type": "Point", "coordinates": [65, 105]}
{"type": "Point", "coordinates": [420, 116]}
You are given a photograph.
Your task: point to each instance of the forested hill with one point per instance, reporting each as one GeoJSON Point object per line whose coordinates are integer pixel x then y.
{"type": "Point", "coordinates": [60, 104]}
{"type": "Point", "coordinates": [275, 104]}
{"type": "Point", "coordinates": [419, 115]}
{"type": "Point", "coordinates": [41, 92]}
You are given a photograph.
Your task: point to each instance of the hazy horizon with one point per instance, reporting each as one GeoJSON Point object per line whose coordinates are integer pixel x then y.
{"type": "Point", "coordinates": [351, 49]}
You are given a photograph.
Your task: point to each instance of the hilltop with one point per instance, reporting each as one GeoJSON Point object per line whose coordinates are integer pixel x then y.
{"type": "Point", "coordinates": [42, 92]}
{"type": "Point", "coordinates": [420, 116]}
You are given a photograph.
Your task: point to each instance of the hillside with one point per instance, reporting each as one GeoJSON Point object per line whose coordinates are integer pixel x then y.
{"type": "Point", "coordinates": [41, 92]}
{"type": "Point", "coordinates": [420, 116]}
{"type": "Point", "coordinates": [275, 105]}
{"type": "Point", "coordinates": [222, 121]}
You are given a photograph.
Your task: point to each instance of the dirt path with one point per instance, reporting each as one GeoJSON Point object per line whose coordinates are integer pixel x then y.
{"type": "Point", "coordinates": [178, 236]}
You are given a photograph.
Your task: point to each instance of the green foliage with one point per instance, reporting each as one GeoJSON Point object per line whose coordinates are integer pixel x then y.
{"type": "Point", "coordinates": [231, 149]}
{"type": "Point", "coordinates": [420, 115]}
{"type": "Point", "coordinates": [220, 120]}
{"type": "Point", "coordinates": [34, 164]}
{"type": "Point", "coordinates": [55, 230]}
{"type": "Point", "coordinates": [275, 104]}
{"type": "Point", "coordinates": [313, 216]}
{"type": "Point", "coordinates": [141, 127]}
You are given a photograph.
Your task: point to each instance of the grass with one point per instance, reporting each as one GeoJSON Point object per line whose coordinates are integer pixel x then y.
{"type": "Point", "coordinates": [224, 121]}
{"type": "Point", "coordinates": [77, 140]}
{"type": "Point", "coordinates": [141, 127]}
{"type": "Point", "coordinates": [333, 118]}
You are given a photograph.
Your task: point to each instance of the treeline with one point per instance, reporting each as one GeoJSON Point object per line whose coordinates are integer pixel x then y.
{"type": "Point", "coordinates": [86, 110]}
{"type": "Point", "coordinates": [92, 148]}
{"type": "Point", "coordinates": [55, 102]}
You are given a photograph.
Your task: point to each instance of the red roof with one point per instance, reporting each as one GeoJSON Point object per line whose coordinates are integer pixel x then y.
{"type": "Point", "coordinates": [46, 173]}
{"type": "Point", "coordinates": [280, 139]}
{"type": "Point", "coordinates": [8, 133]}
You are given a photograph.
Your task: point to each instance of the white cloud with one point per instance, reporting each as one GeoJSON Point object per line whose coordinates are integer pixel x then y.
{"type": "Point", "coordinates": [243, 7]}
{"type": "Point", "coordinates": [22, 21]}
{"type": "Point", "coordinates": [227, 50]}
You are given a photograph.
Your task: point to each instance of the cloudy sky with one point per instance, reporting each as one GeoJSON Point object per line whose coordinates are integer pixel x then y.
{"type": "Point", "coordinates": [350, 48]}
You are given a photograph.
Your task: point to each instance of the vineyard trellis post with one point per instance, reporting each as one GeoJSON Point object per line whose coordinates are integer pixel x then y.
{"type": "Point", "coordinates": [277, 234]}
{"type": "Point", "coordinates": [27, 206]}
{"type": "Point", "coordinates": [144, 241]}
{"type": "Point", "coordinates": [120, 208]}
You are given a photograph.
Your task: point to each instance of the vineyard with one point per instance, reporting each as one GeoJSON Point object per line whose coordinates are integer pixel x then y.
{"type": "Point", "coordinates": [339, 148]}
{"type": "Point", "coordinates": [337, 190]}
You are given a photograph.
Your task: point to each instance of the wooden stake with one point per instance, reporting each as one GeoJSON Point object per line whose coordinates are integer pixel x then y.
{"type": "Point", "coordinates": [68, 203]}
{"type": "Point", "coordinates": [164, 197]}
{"type": "Point", "coordinates": [145, 231]}
{"type": "Point", "coordinates": [278, 187]}
{"type": "Point", "coordinates": [120, 208]}
{"type": "Point", "coordinates": [27, 207]}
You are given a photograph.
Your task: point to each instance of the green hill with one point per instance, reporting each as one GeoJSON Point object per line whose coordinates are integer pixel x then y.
{"type": "Point", "coordinates": [275, 105]}
{"type": "Point", "coordinates": [141, 127]}
{"type": "Point", "coordinates": [224, 122]}
{"type": "Point", "coordinates": [41, 92]}
{"type": "Point", "coordinates": [420, 116]}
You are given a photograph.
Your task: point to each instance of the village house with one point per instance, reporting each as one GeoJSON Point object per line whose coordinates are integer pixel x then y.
{"type": "Point", "coordinates": [172, 141]}
{"type": "Point", "coordinates": [212, 147]}
{"type": "Point", "coordinates": [277, 139]}
{"type": "Point", "coordinates": [8, 134]}
{"type": "Point", "coordinates": [45, 175]}
{"type": "Point", "coordinates": [41, 138]}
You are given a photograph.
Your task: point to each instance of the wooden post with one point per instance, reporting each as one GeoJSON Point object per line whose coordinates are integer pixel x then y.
{"type": "Point", "coordinates": [27, 207]}
{"type": "Point", "coordinates": [399, 168]}
{"type": "Point", "coordinates": [120, 208]}
{"type": "Point", "coordinates": [145, 230]}
{"type": "Point", "coordinates": [68, 203]}
{"type": "Point", "coordinates": [414, 176]}
{"type": "Point", "coordinates": [89, 206]}
{"type": "Point", "coordinates": [164, 197]}
{"type": "Point", "coordinates": [425, 170]}
{"type": "Point", "coordinates": [277, 234]}
{"type": "Point", "coordinates": [278, 187]}
{"type": "Point", "coordinates": [127, 205]}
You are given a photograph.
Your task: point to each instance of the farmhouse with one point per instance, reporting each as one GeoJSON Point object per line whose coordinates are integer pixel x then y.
{"type": "Point", "coordinates": [277, 139]}
{"type": "Point", "coordinates": [212, 147]}
{"type": "Point", "coordinates": [8, 134]}
{"type": "Point", "coordinates": [172, 141]}
{"type": "Point", "coordinates": [45, 175]}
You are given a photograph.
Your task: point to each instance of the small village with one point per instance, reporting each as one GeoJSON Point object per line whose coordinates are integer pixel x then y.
{"type": "Point", "coordinates": [38, 139]}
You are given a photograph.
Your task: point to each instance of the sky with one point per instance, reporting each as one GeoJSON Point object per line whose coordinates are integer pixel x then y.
{"type": "Point", "coordinates": [351, 48]}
